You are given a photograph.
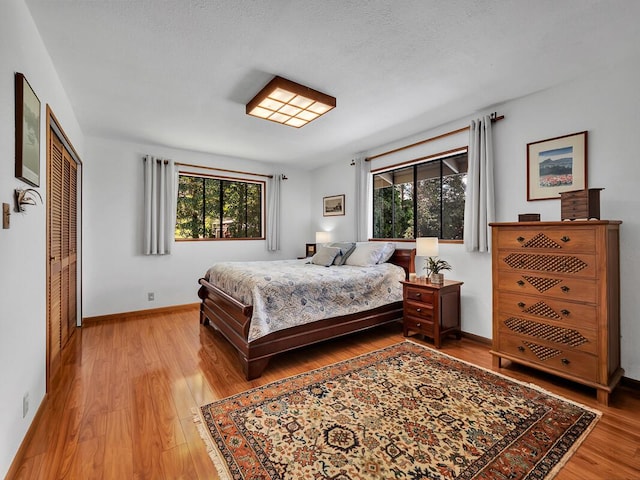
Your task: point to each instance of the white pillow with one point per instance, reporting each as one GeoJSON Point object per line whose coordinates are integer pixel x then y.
{"type": "Point", "coordinates": [365, 254]}
{"type": "Point", "coordinates": [387, 252]}
{"type": "Point", "coordinates": [325, 255]}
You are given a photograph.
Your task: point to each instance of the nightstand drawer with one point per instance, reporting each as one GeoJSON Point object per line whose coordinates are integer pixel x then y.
{"type": "Point", "coordinates": [423, 326]}
{"type": "Point", "coordinates": [418, 310]}
{"type": "Point", "coordinates": [418, 295]}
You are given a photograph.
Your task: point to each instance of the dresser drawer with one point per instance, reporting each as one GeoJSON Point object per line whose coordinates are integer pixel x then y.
{"type": "Point", "coordinates": [558, 239]}
{"type": "Point", "coordinates": [419, 295]}
{"type": "Point", "coordinates": [578, 265]}
{"type": "Point", "coordinates": [418, 310]}
{"type": "Point", "coordinates": [565, 288]}
{"type": "Point", "coordinates": [569, 337]}
{"type": "Point", "coordinates": [567, 362]}
{"type": "Point", "coordinates": [541, 307]}
{"type": "Point", "coordinates": [424, 326]}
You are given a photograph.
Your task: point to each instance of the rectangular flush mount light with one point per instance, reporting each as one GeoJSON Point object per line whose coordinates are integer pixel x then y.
{"type": "Point", "coordinates": [289, 103]}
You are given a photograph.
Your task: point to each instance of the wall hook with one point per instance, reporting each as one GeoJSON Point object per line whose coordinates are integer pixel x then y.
{"type": "Point", "coordinates": [25, 197]}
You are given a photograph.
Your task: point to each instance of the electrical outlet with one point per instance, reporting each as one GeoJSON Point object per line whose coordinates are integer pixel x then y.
{"type": "Point", "coordinates": [151, 296]}
{"type": "Point", "coordinates": [25, 404]}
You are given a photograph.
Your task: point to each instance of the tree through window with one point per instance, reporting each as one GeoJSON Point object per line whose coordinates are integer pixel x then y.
{"type": "Point", "coordinates": [422, 200]}
{"type": "Point", "coordinates": [216, 207]}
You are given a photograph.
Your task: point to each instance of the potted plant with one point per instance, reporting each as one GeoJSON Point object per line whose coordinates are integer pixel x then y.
{"type": "Point", "coordinates": [435, 266]}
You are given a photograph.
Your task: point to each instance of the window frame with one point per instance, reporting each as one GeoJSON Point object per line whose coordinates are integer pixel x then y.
{"type": "Point", "coordinates": [263, 197]}
{"type": "Point", "coordinates": [415, 164]}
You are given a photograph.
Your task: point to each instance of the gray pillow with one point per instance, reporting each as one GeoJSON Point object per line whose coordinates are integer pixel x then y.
{"type": "Point", "coordinates": [325, 255]}
{"type": "Point", "coordinates": [387, 252]}
{"type": "Point", "coordinates": [346, 248]}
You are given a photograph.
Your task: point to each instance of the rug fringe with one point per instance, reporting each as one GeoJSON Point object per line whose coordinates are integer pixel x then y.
{"type": "Point", "coordinates": [214, 453]}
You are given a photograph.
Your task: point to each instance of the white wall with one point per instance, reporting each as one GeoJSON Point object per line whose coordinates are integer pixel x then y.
{"type": "Point", "coordinates": [23, 246]}
{"type": "Point", "coordinates": [117, 277]}
{"type": "Point", "coordinates": [606, 104]}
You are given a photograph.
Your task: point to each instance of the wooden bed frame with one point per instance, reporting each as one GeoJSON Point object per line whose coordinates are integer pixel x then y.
{"type": "Point", "coordinates": [231, 318]}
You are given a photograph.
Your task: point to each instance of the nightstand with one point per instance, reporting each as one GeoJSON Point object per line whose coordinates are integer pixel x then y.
{"type": "Point", "coordinates": [430, 309]}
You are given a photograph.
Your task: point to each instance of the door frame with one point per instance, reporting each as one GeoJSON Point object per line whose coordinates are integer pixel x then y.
{"type": "Point", "coordinates": [54, 127]}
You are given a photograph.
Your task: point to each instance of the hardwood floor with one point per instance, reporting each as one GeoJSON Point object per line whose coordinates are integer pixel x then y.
{"type": "Point", "coordinates": [124, 407]}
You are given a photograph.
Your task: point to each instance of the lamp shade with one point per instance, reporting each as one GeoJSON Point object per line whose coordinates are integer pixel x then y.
{"type": "Point", "coordinates": [323, 237]}
{"type": "Point", "coordinates": [427, 247]}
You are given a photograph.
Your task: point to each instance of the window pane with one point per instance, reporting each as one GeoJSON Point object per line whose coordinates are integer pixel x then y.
{"type": "Point", "coordinates": [254, 210]}
{"type": "Point", "coordinates": [189, 221]}
{"type": "Point", "coordinates": [212, 208]}
{"type": "Point", "coordinates": [393, 204]}
{"type": "Point", "coordinates": [453, 191]}
{"type": "Point", "coordinates": [428, 204]}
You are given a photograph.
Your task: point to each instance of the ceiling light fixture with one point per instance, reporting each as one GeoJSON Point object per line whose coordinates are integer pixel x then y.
{"type": "Point", "coordinates": [289, 103]}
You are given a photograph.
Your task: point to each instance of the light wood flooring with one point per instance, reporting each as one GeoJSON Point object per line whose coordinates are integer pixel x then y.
{"type": "Point", "coordinates": [124, 407]}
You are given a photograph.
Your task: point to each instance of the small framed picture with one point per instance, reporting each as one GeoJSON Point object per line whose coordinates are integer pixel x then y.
{"type": "Point", "coordinates": [332, 206]}
{"type": "Point", "coordinates": [27, 132]}
{"type": "Point", "coordinates": [311, 250]}
{"type": "Point", "coordinates": [556, 165]}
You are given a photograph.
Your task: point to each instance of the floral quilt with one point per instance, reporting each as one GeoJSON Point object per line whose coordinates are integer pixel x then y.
{"type": "Point", "coordinates": [287, 293]}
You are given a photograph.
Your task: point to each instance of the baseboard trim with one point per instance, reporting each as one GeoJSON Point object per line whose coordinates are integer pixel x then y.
{"type": "Point", "coordinates": [28, 437]}
{"type": "Point", "coordinates": [631, 383]}
{"type": "Point", "coordinates": [138, 313]}
{"type": "Point", "coordinates": [477, 338]}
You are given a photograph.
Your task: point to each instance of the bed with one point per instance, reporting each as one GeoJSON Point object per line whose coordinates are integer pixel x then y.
{"type": "Point", "coordinates": [235, 313]}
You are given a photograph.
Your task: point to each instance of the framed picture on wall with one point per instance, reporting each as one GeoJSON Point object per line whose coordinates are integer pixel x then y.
{"type": "Point", "coordinates": [556, 165]}
{"type": "Point", "coordinates": [332, 206]}
{"type": "Point", "coordinates": [27, 132]}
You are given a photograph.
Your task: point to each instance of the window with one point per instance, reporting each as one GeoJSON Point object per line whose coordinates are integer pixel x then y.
{"type": "Point", "coordinates": [217, 207]}
{"type": "Point", "coordinates": [422, 200]}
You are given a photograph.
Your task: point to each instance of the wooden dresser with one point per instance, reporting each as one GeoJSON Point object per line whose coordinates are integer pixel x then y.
{"type": "Point", "coordinates": [556, 299]}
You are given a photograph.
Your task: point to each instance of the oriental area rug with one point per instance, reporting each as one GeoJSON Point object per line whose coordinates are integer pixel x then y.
{"type": "Point", "coordinates": [405, 411]}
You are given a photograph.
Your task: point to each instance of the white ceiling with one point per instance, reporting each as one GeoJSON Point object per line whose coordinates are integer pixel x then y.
{"type": "Point", "coordinates": [179, 72]}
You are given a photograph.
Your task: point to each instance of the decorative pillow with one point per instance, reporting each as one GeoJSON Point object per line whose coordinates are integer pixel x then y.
{"type": "Point", "coordinates": [365, 254]}
{"type": "Point", "coordinates": [346, 249]}
{"type": "Point", "coordinates": [325, 255]}
{"type": "Point", "coordinates": [387, 252]}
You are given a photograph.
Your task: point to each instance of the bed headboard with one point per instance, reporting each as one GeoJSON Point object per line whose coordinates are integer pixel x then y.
{"type": "Point", "coordinates": [404, 258]}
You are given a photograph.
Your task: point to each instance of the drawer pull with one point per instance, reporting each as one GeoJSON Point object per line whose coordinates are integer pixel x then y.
{"type": "Point", "coordinates": [521, 304]}
{"type": "Point", "coordinates": [565, 361]}
{"type": "Point", "coordinates": [418, 325]}
{"type": "Point", "coordinates": [419, 294]}
{"type": "Point", "coordinates": [565, 239]}
{"type": "Point", "coordinates": [418, 310]}
{"type": "Point", "coordinates": [521, 348]}
{"type": "Point", "coordinates": [520, 239]}
{"type": "Point", "coordinates": [564, 288]}
{"type": "Point", "coordinates": [520, 282]}
{"type": "Point", "coordinates": [565, 312]}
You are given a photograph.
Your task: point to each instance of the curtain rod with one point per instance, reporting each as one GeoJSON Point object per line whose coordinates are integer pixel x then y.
{"type": "Point", "coordinates": [494, 118]}
{"type": "Point", "coordinates": [223, 170]}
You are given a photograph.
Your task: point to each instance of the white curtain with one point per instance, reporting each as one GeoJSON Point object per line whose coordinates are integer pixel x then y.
{"type": "Point", "coordinates": [160, 197]}
{"type": "Point", "coordinates": [363, 195]}
{"type": "Point", "coordinates": [273, 214]}
{"type": "Point", "coordinates": [479, 209]}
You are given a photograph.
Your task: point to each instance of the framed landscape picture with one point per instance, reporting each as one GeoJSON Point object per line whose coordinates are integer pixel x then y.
{"type": "Point", "coordinates": [556, 165]}
{"type": "Point", "coordinates": [27, 132]}
{"type": "Point", "coordinates": [332, 206]}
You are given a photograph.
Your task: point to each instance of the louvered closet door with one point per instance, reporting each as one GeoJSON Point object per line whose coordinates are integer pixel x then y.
{"type": "Point", "coordinates": [62, 195]}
